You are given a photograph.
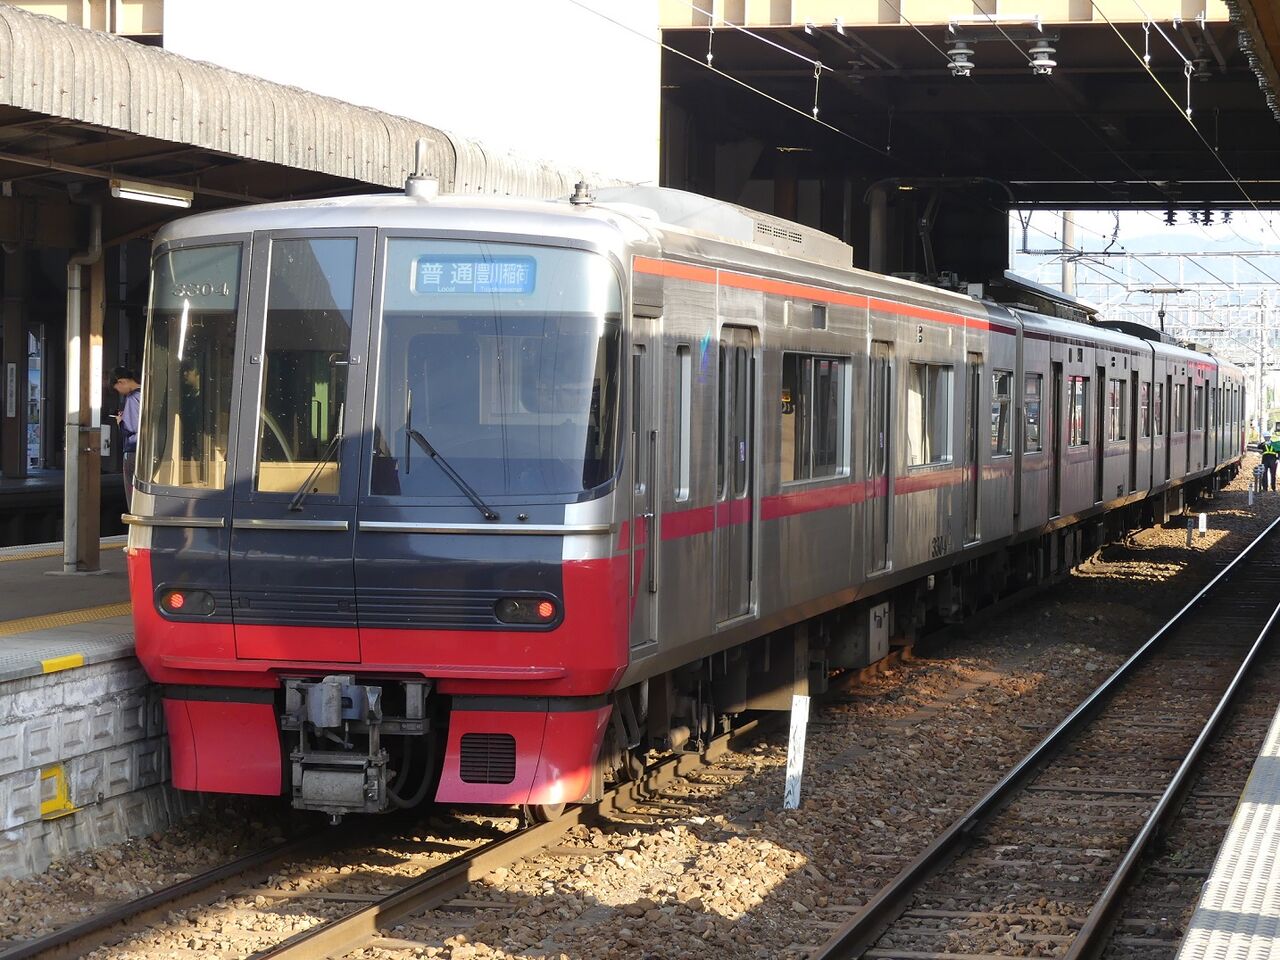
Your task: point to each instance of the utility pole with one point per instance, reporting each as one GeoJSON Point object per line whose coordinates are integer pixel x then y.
{"type": "Point", "coordinates": [1068, 253]}
{"type": "Point", "coordinates": [1262, 363]}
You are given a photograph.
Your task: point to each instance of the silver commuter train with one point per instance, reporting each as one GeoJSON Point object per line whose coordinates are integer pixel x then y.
{"type": "Point", "coordinates": [481, 499]}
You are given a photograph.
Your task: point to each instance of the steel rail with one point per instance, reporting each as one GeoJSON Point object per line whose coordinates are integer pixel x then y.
{"type": "Point", "coordinates": [1092, 937]}
{"type": "Point", "coordinates": [870, 923]}
{"type": "Point", "coordinates": [344, 935]}
{"type": "Point", "coordinates": [89, 934]}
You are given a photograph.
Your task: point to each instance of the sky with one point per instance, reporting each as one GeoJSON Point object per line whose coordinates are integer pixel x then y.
{"type": "Point", "coordinates": [1230, 272]}
{"type": "Point", "coordinates": [519, 75]}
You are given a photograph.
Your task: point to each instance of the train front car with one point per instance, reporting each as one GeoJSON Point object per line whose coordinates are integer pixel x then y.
{"type": "Point", "coordinates": [370, 551]}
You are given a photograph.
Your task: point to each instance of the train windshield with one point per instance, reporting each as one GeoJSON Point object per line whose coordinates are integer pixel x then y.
{"type": "Point", "coordinates": [506, 358]}
{"type": "Point", "coordinates": [190, 355]}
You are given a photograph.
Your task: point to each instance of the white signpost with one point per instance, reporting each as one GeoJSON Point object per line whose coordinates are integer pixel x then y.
{"type": "Point", "coordinates": [795, 752]}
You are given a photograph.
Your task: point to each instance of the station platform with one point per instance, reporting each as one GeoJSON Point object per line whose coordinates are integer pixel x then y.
{"type": "Point", "coordinates": [83, 759]}
{"type": "Point", "coordinates": [1238, 915]}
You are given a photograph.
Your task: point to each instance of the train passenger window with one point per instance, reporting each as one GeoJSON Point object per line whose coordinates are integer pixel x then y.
{"type": "Point", "coordinates": [190, 356]}
{"type": "Point", "coordinates": [1144, 409]}
{"type": "Point", "coordinates": [310, 295]}
{"type": "Point", "coordinates": [508, 359]}
{"type": "Point", "coordinates": [1179, 407]}
{"type": "Point", "coordinates": [1002, 412]}
{"type": "Point", "coordinates": [1157, 410]}
{"type": "Point", "coordinates": [1032, 393]}
{"type": "Point", "coordinates": [1077, 411]}
{"type": "Point", "coordinates": [929, 414]}
{"type": "Point", "coordinates": [1117, 410]}
{"type": "Point", "coordinates": [814, 400]}
{"type": "Point", "coordinates": [684, 419]}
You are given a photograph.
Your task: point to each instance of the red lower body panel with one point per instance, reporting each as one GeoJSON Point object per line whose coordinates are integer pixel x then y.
{"type": "Point", "coordinates": [554, 755]}
{"type": "Point", "coordinates": [224, 747]}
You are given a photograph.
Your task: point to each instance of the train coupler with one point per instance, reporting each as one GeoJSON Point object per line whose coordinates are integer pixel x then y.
{"type": "Point", "coordinates": [329, 772]}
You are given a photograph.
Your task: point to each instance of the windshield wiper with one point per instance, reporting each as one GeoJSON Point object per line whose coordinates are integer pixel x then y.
{"type": "Point", "coordinates": [452, 474]}
{"type": "Point", "coordinates": [300, 495]}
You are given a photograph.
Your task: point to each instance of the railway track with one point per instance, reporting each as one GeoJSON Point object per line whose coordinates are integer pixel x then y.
{"type": "Point", "coordinates": [355, 901]}
{"type": "Point", "coordinates": [1042, 864]}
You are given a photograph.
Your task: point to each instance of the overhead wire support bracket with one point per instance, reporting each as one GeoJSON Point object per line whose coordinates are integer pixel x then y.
{"type": "Point", "coordinates": [817, 78]}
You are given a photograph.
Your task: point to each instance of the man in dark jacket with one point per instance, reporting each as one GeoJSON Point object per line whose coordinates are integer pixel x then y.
{"type": "Point", "coordinates": [125, 382]}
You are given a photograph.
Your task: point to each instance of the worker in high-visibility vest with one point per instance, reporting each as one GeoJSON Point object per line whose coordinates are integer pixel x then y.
{"type": "Point", "coordinates": [1270, 454]}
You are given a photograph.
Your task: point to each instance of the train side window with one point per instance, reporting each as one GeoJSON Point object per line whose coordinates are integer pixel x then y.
{"type": "Point", "coordinates": [1144, 409]}
{"type": "Point", "coordinates": [1117, 410]}
{"type": "Point", "coordinates": [1032, 392]}
{"type": "Point", "coordinates": [1157, 410]}
{"type": "Point", "coordinates": [684, 419]}
{"type": "Point", "coordinates": [1179, 407]}
{"type": "Point", "coordinates": [1001, 413]}
{"type": "Point", "coordinates": [819, 316]}
{"type": "Point", "coordinates": [929, 399]}
{"type": "Point", "coordinates": [1077, 411]}
{"type": "Point", "coordinates": [1197, 409]}
{"type": "Point", "coordinates": [815, 396]}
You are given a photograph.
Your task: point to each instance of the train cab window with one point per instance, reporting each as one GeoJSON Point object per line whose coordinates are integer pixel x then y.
{"type": "Point", "coordinates": [815, 397]}
{"type": "Point", "coordinates": [310, 295]}
{"type": "Point", "coordinates": [1077, 411]}
{"type": "Point", "coordinates": [1157, 410]}
{"type": "Point", "coordinates": [1032, 395]}
{"type": "Point", "coordinates": [929, 399]}
{"type": "Point", "coordinates": [507, 359]}
{"type": "Point", "coordinates": [190, 353]}
{"type": "Point", "coordinates": [1117, 410]}
{"type": "Point", "coordinates": [1001, 413]}
{"type": "Point", "coordinates": [1144, 409]}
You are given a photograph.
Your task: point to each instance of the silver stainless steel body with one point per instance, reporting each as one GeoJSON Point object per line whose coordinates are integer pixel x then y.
{"type": "Point", "coordinates": [721, 548]}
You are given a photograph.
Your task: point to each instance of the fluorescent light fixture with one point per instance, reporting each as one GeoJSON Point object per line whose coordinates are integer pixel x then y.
{"type": "Point", "coordinates": [151, 193]}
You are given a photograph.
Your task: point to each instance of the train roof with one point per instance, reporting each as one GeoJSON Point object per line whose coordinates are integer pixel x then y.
{"type": "Point", "coordinates": [667, 220]}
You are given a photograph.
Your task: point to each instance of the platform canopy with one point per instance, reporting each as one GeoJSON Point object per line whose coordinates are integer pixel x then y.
{"type": "Point", "coordinates": [79, 108]}
{"type": "Point", "coordinates": [1063, 102]}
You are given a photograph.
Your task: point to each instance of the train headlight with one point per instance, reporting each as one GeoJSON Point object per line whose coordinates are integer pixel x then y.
{"type": "Point", "coordinates": [532, 610]}
{"type": "Point", "coordinates": [186, 603]}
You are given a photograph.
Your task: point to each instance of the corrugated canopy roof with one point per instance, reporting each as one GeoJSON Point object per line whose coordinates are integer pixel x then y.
{"type": "Point", "coordinates": [85, 104]}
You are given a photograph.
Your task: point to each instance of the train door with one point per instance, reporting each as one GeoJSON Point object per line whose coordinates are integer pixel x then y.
{"type": "Point", "coordinates": [1133, 431]}
{"type": "Point", "coordinates": [644, 500]}
{"type": "Point", "coordinates": [879, 456]}
{"type": "Point", "coordinates": [973, 448]}
{"type": "Point", "coordinates": [1056, 429]}
{"type": "Point", "coordinates": [1099, 433]}
{"type": "Point", "coordinates": [735, 500]}
{"type": "Point", "coordinates": [294, 505]}
{"type": "Point", "coordinates": [1166, 416]}
{"type": "Point", "coordinates": [1188, 421]}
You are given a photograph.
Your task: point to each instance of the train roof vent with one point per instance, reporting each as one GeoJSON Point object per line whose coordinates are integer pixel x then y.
{"type": "Point", "coordinates": [698, 214]}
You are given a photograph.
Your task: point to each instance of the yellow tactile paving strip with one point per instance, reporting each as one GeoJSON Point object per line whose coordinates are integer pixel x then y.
{"type": "Point", "coordinates": [41, 553]}
{"type": "Point", "coordinates": [47, 622]}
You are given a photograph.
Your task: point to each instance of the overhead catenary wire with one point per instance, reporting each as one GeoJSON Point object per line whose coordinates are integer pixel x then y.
{"type": "Point", "coordinates": [711, 21]}
{"type": "Point", "coordinates": [728, 76]}
{"type": "Point", "coordinates": [1027, 223]}
{"type": "Point", "coordinates": [1147, 67]}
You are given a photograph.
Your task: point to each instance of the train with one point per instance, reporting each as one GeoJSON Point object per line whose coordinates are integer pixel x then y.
{"type": "Point", "coordinates": [480, 500]}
